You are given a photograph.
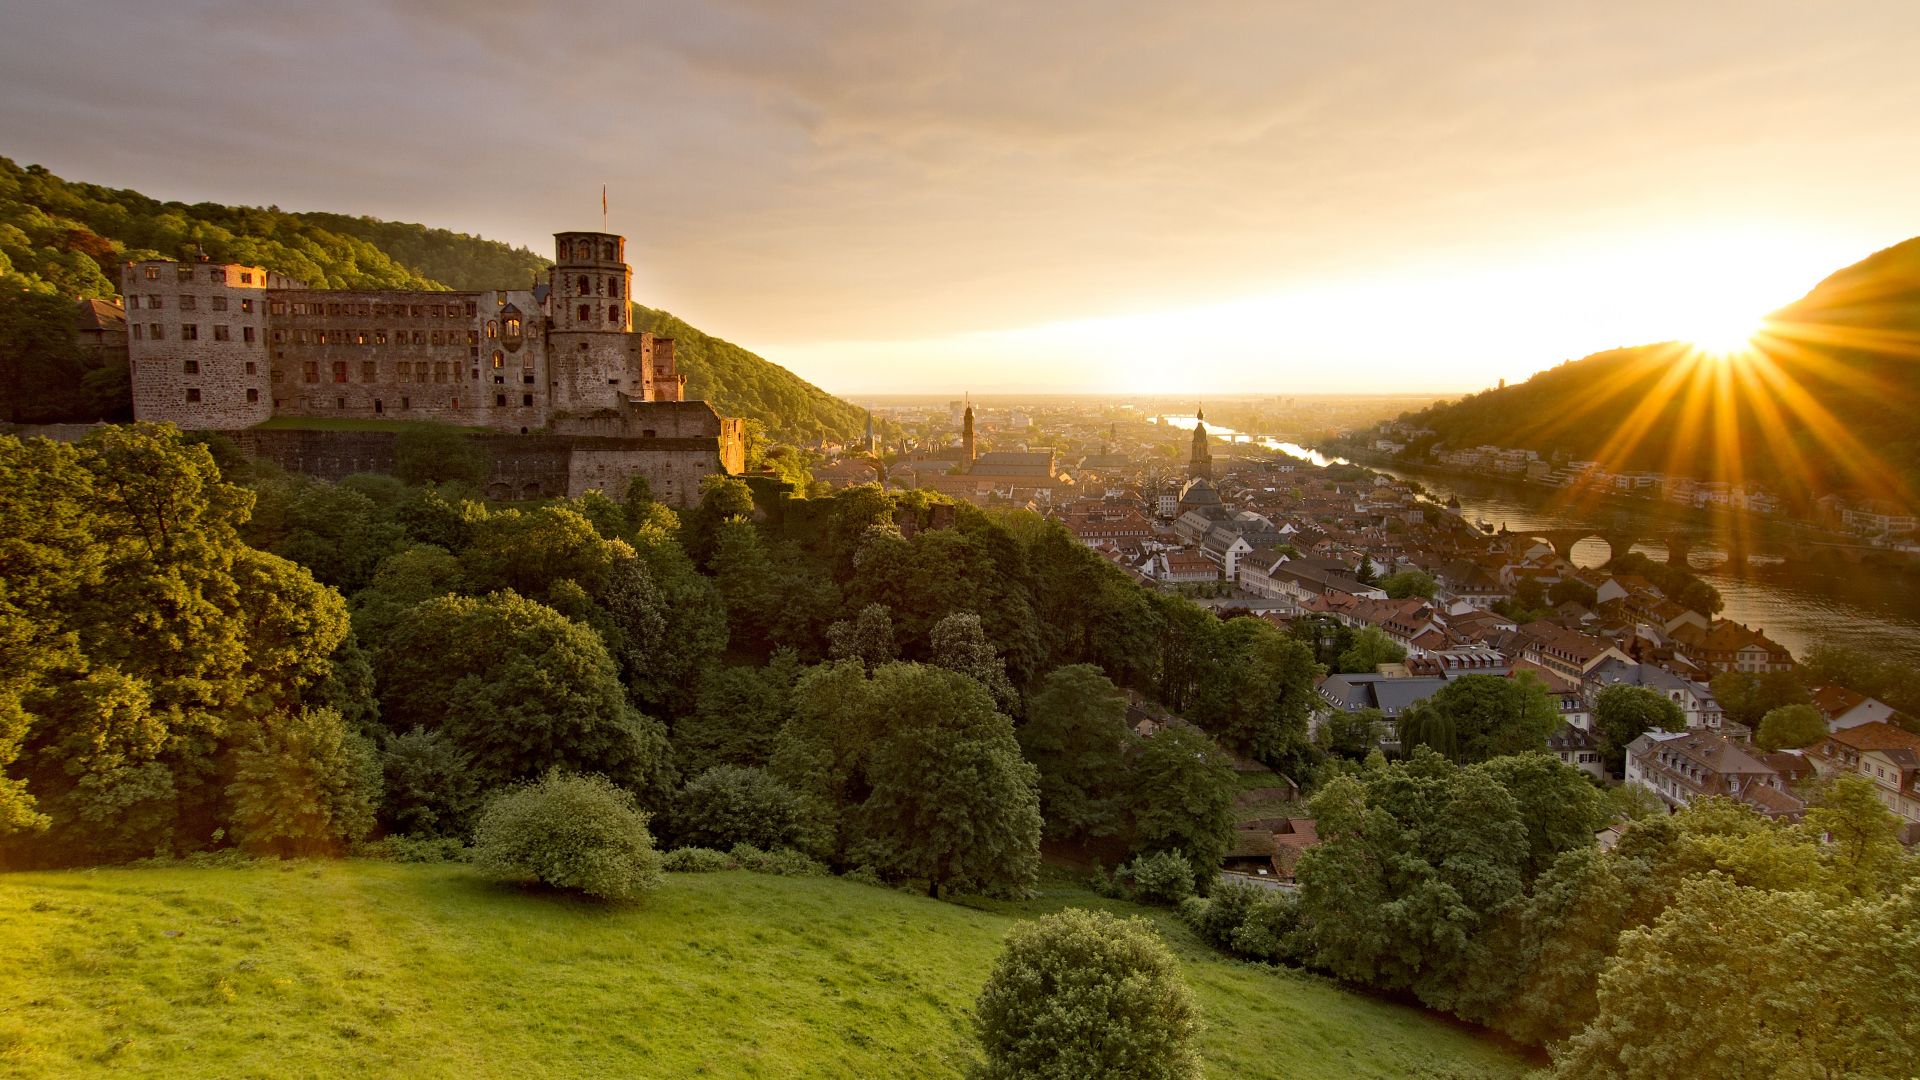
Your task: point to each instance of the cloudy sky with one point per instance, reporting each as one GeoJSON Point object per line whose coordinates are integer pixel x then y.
{"type": "Point", "coordinates": [1072, 194]}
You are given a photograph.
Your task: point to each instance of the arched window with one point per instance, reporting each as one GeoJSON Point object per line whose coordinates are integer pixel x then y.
{"type": "Point", "coordinates": [493, 329]}
{"type": "Point", "coordinates": [513, 326]}
{"type": "Point", "coordinates": [499, 359]}
{"type": "Point", "coordinates": [586, 285]}
{"type": "Point", "coordinates": [606, 250]}
{"type": "Point", "coordinates": [613, 314]}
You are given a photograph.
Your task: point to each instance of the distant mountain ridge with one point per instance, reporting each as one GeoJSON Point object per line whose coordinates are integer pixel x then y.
{"type": "Point", "coordinates": [1829, 401]}
{"type": "Point", "coordinates": [67, 239]}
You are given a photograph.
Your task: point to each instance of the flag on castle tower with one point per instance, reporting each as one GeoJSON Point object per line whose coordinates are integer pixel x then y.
{"type": "Point", "coordinates": [603, 208]}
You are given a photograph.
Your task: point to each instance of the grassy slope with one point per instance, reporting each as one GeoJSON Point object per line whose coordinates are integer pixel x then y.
{"type": "Point", "coordinates": [303, 969]}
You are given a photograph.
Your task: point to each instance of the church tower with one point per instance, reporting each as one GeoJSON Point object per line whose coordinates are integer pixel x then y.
{"type": "Point", "coordinates": [1200, 464]}
{"type": "Point", "coordinates": [966, 439]}
{"type": "Point", "coordinates": [592, 356]}
{"type": "Point", "coordinates": [869, 446]}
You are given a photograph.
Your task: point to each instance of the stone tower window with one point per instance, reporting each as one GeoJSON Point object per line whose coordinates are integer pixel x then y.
{"type": "Point", "coordinates": [493, 329]}
{"type": "Point", "coordinates": [613, 314]}
{"type": "Point", "coordinates": [606, 250]}
{"type": "Point", "coordinates": [586, 285]}
{"type": "Point", "coordinates": [499, 359]}
{"type": "Point", "coordinates": [586, 312]}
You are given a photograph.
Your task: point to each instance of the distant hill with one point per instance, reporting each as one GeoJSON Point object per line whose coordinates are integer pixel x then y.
{"type": "Point", "coordinates": [1828, 402]}
{"type": "Point", "coordinates": [65, 240]}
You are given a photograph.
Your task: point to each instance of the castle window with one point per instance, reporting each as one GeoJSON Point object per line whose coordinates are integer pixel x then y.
{"type": "Point", "coordinates": [319, 337]}
{"type": "Point", "coordinates": [379, 406]}
{"type": "Point", "coordinates": [339, 403]}
{"type": "Point", "coordinates": [189, 332]}
{"type": "Point", "coordinates": [527, 378]}
{"type": "Point", "coordinates": [187, 303]}
{"type": "Point", "coordinates": [339, 371]}
{"type": "Point", "coordinates": [246, 277]}
{"type": "Point", "coordinates": [526, 399]}
{"type": "Point", "coordinates": [439, 310]}
{"type": "Point", "coordinates": [246, 334]}
{"type": "Point", "coordinates": [435, 337]}
{"type": "Point", "coordinates": [252, 395]}
{"type": "Point", "coordinates": [222, 332]}
{"type": "Point", "coordinates": [500, 399]}
{"type": "Point", "coordinates": [275, 307]}
{"type": "Point", "coordinates": [586, 287]}
{"type": "Point", "coordinates": [190, 367]}
{"type": "Point", "coordinates": [473, 337]}
{"type": "Point", "coordinates": [381, 310]}
{"type": "Point", "coordinates": [472, 309]}
{"type": "Point", "coordinates": [217, 275]}
{"type": "Point", "coordinates": [139, 332]}
{"type": "Point", "coordinates": [406, 403]}
{"type": "Point", "coordinates": [586, 313]}
{"type": "Point", "coordinates": [416, 309]}
{"type": "Point", "coordinates": [133, 301]}
{"type": "Point", "coordinates": [153, 273]}
{"type": "Point", "coordinates": [499, 360]}
{"type": "Point", "coordinates": [500, 378]}
{"type": "Point", "coordinates": [218, 303]}
{"type": "Point", "coordinates": [404, 370]}
{"type": "Point", "coordinates": [475, 375]}
{"type": "Point", "coordinates": [613, 314]}
{"type": "Point", "coordinates": [299, 337]}
{"type": "Point", "coordinates": [333, 309]}
{"type": "Point", "coordinates": [193, 394]}
{"type": "Point", "coordinates": [154, 303]}
{"type": "Point", "coordinates": [184, 273]}
{"type": "Point", "coordinates": [513, 326]}
{"type": "Point", "coordinates": [365, 310]}
{"type": "Point", "coordinates": [252, 368]}
{"type": "Point", "coordinates": [440, 371]}
{"type": "Point", "coordinates": [366, 371]}
{"type": "Point", "coordinates": [379, 337]}
{"type": "Point", "coordinates": [606, 250]}
{"type": "Point", "coordinates": [493, 329]}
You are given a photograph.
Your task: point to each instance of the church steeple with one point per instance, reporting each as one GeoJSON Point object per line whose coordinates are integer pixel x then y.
{"type": "Point", "coordinates": [1200, 462]}
{"type": "Point", "coordinates": [966, 436]}
{"type": "Point", "coordinates": [870, 443]}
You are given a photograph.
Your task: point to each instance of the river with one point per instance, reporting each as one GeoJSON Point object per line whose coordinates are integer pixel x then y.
{"type": "Point", "coordinates": [1796, 605]}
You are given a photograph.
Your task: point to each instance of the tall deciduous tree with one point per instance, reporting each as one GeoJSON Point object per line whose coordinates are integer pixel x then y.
{"type": "Point", "coordinates": [1181, 791]}
{"type": "Point", "coordinates": [1623, 713]}
{"type": "Point", "coordinates": [1791, 727]}
{"type": "Point", "coordinates": [1076, 735]}
{"type": "Point", "coordinates": [1476, 717]}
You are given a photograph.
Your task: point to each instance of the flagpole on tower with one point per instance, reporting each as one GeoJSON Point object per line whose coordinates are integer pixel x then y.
{"type": "Point", "coordinates": [603, 208]}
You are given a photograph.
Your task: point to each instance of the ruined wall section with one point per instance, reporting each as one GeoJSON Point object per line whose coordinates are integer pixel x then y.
{"type": "Point", "coordinates": [197, 342]}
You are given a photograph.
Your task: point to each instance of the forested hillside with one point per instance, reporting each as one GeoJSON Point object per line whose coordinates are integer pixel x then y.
{"type": "Point", "coordinates": [63, 240]}
{"type": "Point", "coordinates": [1825, 402]}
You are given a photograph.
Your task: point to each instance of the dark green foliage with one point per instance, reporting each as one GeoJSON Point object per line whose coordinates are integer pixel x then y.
{"type": "Point", "coordinates": [1351, 735]}
{"type": "Point", "coordinates": [533, 691]}
{"type": "Point", "coordinates": [1181, 789]}
{"type": "Point", "coordinates": [1558, 804]}
{"type": "Point", "coordinates": [1476, 717]}
{"type": "Point", "coordinates": [1572, 590]}
{"type": "Point", "coordinates": [1371, 647]}
{"type": "Point", "coordinates": [1326, 636]}
{"type": "Point", "coordinates": [438, 454]}
{"type": "Point", "coordinates": [44, 374]}
{"type": "Point", "coordinates": [913, 772]}
{"type": "Point", "coordinates": [336, 532]}
{"type": "Point", "coordinates": [1076, 735]}
{"type": "Point", "coordinates": [1165, 878]}
{"type": "Point", "coordinates": [1677, 582]}
{"type": "Point", "coordinates": [1408, 583]}
{"type": "Point", "coordinates": [1623, 713]}
{"type": "Point", "coordinates": [141, 643]}
{"type": "Point", "coordinates": [430, 788]}
{"type": "Point", "coordinates": [958, 644]}
{"type": "Point", "coordinates": [728, 805]}
{"type": "Point", "coordinates": [867, 639]}
{"type": "Point", "coordinates": [1747, 698]}
{"type": "Point", "coordinates": [738, 715]}
{"type": "Point", "coordinates": [1082, 995]}
{"type": "Point", "coordinates": [1790, 727]}
{"type": "Point", "coordinates": [1254, 691]}
{"type": "Point", "coordinates": [1246, 920]}
{"type": "Point", "coordinates": [1875, 676]}
{"type": "Point", "coordinates": [305, 784]}
{"type": "Point", "coordinates": [579, 833]}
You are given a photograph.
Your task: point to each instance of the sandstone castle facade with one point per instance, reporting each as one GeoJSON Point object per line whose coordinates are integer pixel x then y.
{"type": "Point", "coordinates": [225, 347]}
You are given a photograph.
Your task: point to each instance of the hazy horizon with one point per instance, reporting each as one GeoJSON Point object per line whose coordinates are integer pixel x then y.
{"type": "Point", "coordinates": [1121, 198]}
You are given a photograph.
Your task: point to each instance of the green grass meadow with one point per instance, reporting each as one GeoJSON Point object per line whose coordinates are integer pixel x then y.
{"type": "Point", "coordinates": [360, 968]}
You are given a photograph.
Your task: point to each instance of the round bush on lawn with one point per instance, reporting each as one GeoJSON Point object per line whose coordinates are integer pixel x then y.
{"type": "Point", "coordinates": [571, 832]}
{"type": "Point", "coordinates": [1082, 995]}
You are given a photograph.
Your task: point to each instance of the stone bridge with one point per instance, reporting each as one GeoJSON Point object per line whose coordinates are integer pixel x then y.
{"type": "Point", "coordinates": [1679, 545]}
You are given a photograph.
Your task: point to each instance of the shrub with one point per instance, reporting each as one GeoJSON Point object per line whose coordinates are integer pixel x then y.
{"type": "Point", "coordinates": [785, 862]}
{"type": "Point", "coordinates": [696, 860]}
{"type": "Point", "coordinates": [1269, 932]}
{"type": "Point", "coordinates": [414, 849]}
{"type": "Point", "coordinates": [1082, 995]}
{"type": "Point", "coordinates": [571, 832]}
{"type": "Point", "coordinates": [1162, 878]}
{"type": "Point", "coordinates": [430, 786]}
{"type": "Point", "coordinates": [303, 785]}
{"type": "Point", "coordinates": [728, 805]}
{"type": "Point", "coordinates": [1215, 918]}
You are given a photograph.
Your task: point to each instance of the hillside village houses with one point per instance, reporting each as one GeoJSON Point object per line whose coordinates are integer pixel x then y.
{"type": "Point", "coordinates": [1284, 540]}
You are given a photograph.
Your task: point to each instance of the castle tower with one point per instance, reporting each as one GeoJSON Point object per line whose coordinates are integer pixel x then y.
{"type": "Point", "coordinates": [1200, 463]}
{"type": "Point", "coordinates": [592, 356]}
{"type": "Point", "coordinates": [966, 438]}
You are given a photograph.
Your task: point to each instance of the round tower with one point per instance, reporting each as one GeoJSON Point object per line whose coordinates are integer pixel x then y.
{"type": "Point", "coordinates": [592, 356]}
